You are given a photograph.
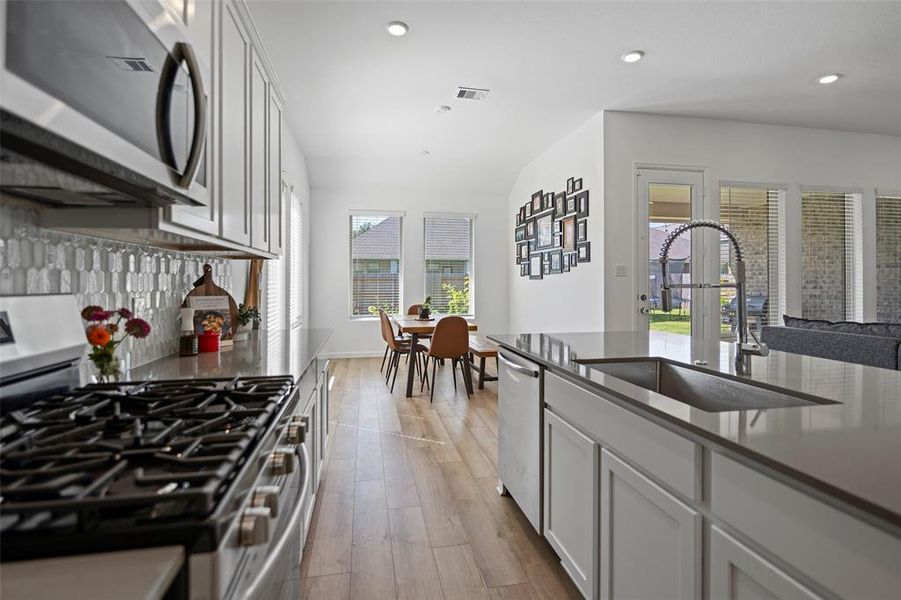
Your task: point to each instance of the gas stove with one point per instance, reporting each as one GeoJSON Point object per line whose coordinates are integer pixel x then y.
{"type": "Point", "coordinates": [217, 466]}
{"type": "Point", "coordinates": [122, 459]}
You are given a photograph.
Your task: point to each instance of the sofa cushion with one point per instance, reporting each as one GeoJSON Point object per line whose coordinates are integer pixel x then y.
{"type": "Point", "coordinates": [892, 330]}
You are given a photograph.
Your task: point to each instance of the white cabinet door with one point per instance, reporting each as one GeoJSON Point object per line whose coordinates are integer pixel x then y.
{"type": "Point", "coordinates": [234, 69]}
{"type": "Point", "coordinates": [570, 501]}
{"type": "Point", "coordinates": [201, 18]}
{"type": "Point", "coordinates": [276, 198]}
{"type": "Point", "coordinates": [650, 540]}
{"type": "Point", "coordinates": [739, 573]}
{"type": "Point", "coordinates": [259, 102]}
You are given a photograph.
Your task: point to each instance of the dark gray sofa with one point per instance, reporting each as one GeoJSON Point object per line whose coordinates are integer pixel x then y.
{"type": "Point", "coordinates": [874, 344]}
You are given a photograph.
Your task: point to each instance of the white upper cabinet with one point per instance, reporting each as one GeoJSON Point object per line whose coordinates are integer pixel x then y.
{"type": "Point", "coordinates": [277, 199]}
{"type": "Point", "coordinates": [234, 70]}
{"type": "Point", "coordinates": [200, 18]}
{"type": "Point", "coordinates": [259, 102]}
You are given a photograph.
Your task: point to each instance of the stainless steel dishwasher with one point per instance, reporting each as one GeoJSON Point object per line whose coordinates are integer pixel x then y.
{"type": "Point", "coordinates": [519, 432]}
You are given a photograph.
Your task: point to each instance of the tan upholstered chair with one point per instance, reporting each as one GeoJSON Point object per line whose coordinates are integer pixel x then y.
{"type": "Point", "coordinates": [450, 341]}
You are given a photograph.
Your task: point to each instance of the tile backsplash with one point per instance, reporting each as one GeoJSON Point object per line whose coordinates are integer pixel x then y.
{"type": "Point", "coordinates": [150, 281]}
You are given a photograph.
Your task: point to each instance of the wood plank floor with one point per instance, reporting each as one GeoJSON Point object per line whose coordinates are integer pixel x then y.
{"type": "Point", "coordinates": [408, 507]}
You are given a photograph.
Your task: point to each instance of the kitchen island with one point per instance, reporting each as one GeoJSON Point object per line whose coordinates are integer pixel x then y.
{"type": "Point", "coordinates": [799, 501]}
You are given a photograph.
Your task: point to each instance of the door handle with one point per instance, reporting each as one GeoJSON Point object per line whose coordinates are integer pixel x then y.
{"type": "Point", "coordinates": [515, 367]}
{"type": "Point", "coordinates": [643, 310]}
{"type": "Point", "coordinates": [199, 138]}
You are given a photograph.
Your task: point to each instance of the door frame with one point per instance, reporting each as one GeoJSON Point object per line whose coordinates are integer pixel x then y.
{"type": "Point", "coordinates": [700, 209]}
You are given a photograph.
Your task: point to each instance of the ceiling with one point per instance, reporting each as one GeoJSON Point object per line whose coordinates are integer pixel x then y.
{"type": "Point", "coordinates": [361, 103]}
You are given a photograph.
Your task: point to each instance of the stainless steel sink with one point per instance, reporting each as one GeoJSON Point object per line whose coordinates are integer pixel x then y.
{"type": "Point", "coordinates": [708, 391]}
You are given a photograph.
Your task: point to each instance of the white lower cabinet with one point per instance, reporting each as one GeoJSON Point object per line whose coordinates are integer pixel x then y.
{"type": "Point", "coordinates": [570, 500]}
{"type": "Point", "coordinates": [739, 573]}
{"type": "Point", "coordinates": [650, 540]}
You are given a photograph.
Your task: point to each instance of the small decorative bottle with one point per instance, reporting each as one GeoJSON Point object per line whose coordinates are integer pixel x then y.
{"type": "Point", "coordinates": [187, 339]}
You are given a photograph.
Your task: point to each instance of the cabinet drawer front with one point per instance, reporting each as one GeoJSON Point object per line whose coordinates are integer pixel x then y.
{"type": "Point", "coordinates": [845, 555]}
{"type": "Point", "coordinates": [672, 459]}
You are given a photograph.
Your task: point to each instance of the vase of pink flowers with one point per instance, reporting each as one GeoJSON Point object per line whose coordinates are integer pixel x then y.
{"type": "Point", "coordinates": [106, 330]}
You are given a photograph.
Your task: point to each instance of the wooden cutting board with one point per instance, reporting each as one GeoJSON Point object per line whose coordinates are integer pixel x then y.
{"type": "Point", "coordinates": [205, 286]}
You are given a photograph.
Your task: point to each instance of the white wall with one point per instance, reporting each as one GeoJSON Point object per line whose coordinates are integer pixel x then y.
{"type": "Point", "coordinates": [571, 301]}
{"type": "Point", "coordinates": [731, 151]}
{"type": "Point", "coordinates": [330, 258]}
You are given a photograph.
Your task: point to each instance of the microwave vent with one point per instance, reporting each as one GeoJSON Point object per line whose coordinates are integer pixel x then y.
{"type": "Point", "coordinates": [467, 93]}
{"type": "Point", "coordinates": [131, 63]}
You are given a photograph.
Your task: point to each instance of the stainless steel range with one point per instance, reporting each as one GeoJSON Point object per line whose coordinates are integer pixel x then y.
{"type": "Point", "coordinates": [217, 466]}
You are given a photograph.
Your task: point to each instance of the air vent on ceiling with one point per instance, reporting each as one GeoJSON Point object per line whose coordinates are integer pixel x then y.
{"type": "Point", "coordinates": [466, 93]}
{"type": "Point", "coordinates": [128, 63]}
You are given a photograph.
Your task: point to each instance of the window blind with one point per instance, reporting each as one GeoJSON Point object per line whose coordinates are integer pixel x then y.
{"type": "Point", "coordinates": [448, 263]}
{"type": "Point", "coordinates": [888, 258]}
{"type": "Point", "coordinates": [295, 263]}
{"type": "Point", "coordinates": [756, 215]}
{"type": "Point", "coordinates": [831, 256]}
{"type": "Point", "coordinates": [375, 263]}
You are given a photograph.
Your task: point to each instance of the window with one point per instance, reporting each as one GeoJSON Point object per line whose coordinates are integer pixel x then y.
{"type": "Point", "coordinates": [295, 263]}
{"type": "Point", "coordinates": [375, 257]}
{"type": "Point", "coordinates": [448, 263]}
{"type": "Point", "coordinates": [888, 258]}
{"type": "Point", "coordinates": [756, 215]}
{"type": "Point", "coordinates": [831, 256]}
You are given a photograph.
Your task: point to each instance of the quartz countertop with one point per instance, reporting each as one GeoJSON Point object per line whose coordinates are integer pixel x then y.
{"type": "Point", "coordinates": [847, 453]}
{"type": "Point", "coordinates": [144, 574]}
{"type": "Point", "coordinates": [279, 352]}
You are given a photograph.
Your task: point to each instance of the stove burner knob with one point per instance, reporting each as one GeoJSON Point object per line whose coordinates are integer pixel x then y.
{"type": "Point", "coordinates": [283, 461]}
{"type": "Point", "coordinates": [295, 433]}
{"type": "Point", "coordinates": [266, 496]}
{"type": "Point", "coordinates": [254, 527]}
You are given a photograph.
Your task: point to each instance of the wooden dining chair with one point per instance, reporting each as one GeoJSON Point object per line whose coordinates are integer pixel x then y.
{"type": "Point", "coordinates": [449, 341]}
{"type": "Point", "coordinates": [399, 346]}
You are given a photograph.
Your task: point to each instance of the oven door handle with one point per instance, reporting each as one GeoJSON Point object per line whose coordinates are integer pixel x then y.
{"type": "Point", "coordinates": [199, 139]}
{"type": "Point", "coordinates": [276, 550]}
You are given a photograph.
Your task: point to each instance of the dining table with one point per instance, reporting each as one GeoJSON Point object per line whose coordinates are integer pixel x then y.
{"type": "Point", "coordinates": [416, 327]}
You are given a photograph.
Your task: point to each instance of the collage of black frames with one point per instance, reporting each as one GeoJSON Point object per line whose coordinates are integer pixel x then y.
{"type": "Point", "coordinates": [552, 231]}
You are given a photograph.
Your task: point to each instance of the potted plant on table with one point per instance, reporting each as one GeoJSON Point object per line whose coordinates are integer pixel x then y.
{"type": "Point", "coordinates": [247, 316]}
{"type": "Point", "coordinates": [101, 334]}
{"type": "Point", "coordinates": [425, 309]}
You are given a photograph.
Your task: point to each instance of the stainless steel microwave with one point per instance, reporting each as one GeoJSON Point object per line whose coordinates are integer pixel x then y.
{"type": "Point", "coordinates": [103, 103]}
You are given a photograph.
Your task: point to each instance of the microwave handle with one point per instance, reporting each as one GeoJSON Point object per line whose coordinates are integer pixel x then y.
{"type": "Point", "coordinates": [199, 115]}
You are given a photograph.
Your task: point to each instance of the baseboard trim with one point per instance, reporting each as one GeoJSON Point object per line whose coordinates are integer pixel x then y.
{"type": "Point", "coordinates": [361, 354]}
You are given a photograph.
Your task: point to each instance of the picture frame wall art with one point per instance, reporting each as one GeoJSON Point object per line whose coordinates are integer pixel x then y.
{"type": "Point", "coordinates": [551, 231]}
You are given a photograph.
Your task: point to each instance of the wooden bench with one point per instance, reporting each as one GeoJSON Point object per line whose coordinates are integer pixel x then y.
{"type": "Point", "coordinates": [482, 348]}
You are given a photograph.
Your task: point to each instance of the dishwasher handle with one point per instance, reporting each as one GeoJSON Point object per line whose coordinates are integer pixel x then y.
{"type": "Point", "coordinates": [517, 367]}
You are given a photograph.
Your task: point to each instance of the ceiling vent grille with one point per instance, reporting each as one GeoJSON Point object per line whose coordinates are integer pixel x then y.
{"type": "Point", "coordinates": [466, 93]}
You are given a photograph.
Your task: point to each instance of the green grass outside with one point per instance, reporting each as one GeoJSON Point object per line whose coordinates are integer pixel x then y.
{"type": "Point", "coordinates": [675, 322]}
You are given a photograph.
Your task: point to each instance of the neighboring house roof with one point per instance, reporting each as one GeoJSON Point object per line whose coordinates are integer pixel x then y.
{"type": "Point", "coordinates": [446, 239]}
{"type": "Point", "coordinates": [380, 242]}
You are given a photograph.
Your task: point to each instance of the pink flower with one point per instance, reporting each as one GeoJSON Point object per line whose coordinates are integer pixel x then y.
{"type": "Point", "coordinates": [125, 313]}
{"type": "Point", "coordinates": [139, 328]}
{"type": "Point", "coordinates": [89, 313]}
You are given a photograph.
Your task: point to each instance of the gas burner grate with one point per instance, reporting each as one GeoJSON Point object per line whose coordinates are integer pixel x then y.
{"type": "Point", "coordinates": [133, 452]}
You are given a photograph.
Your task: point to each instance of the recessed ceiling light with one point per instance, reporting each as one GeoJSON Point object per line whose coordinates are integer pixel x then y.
{"type": "Point", "coordinates": [830, 78]}
{"type": "Point", "coordinates": [397, 28]}
{"type": "Point", "coordinates": [633, 56]}
{"type": "Point", "coordinates": [424, 153]}
{"type": "Point", "coordinates": [442, 108]}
